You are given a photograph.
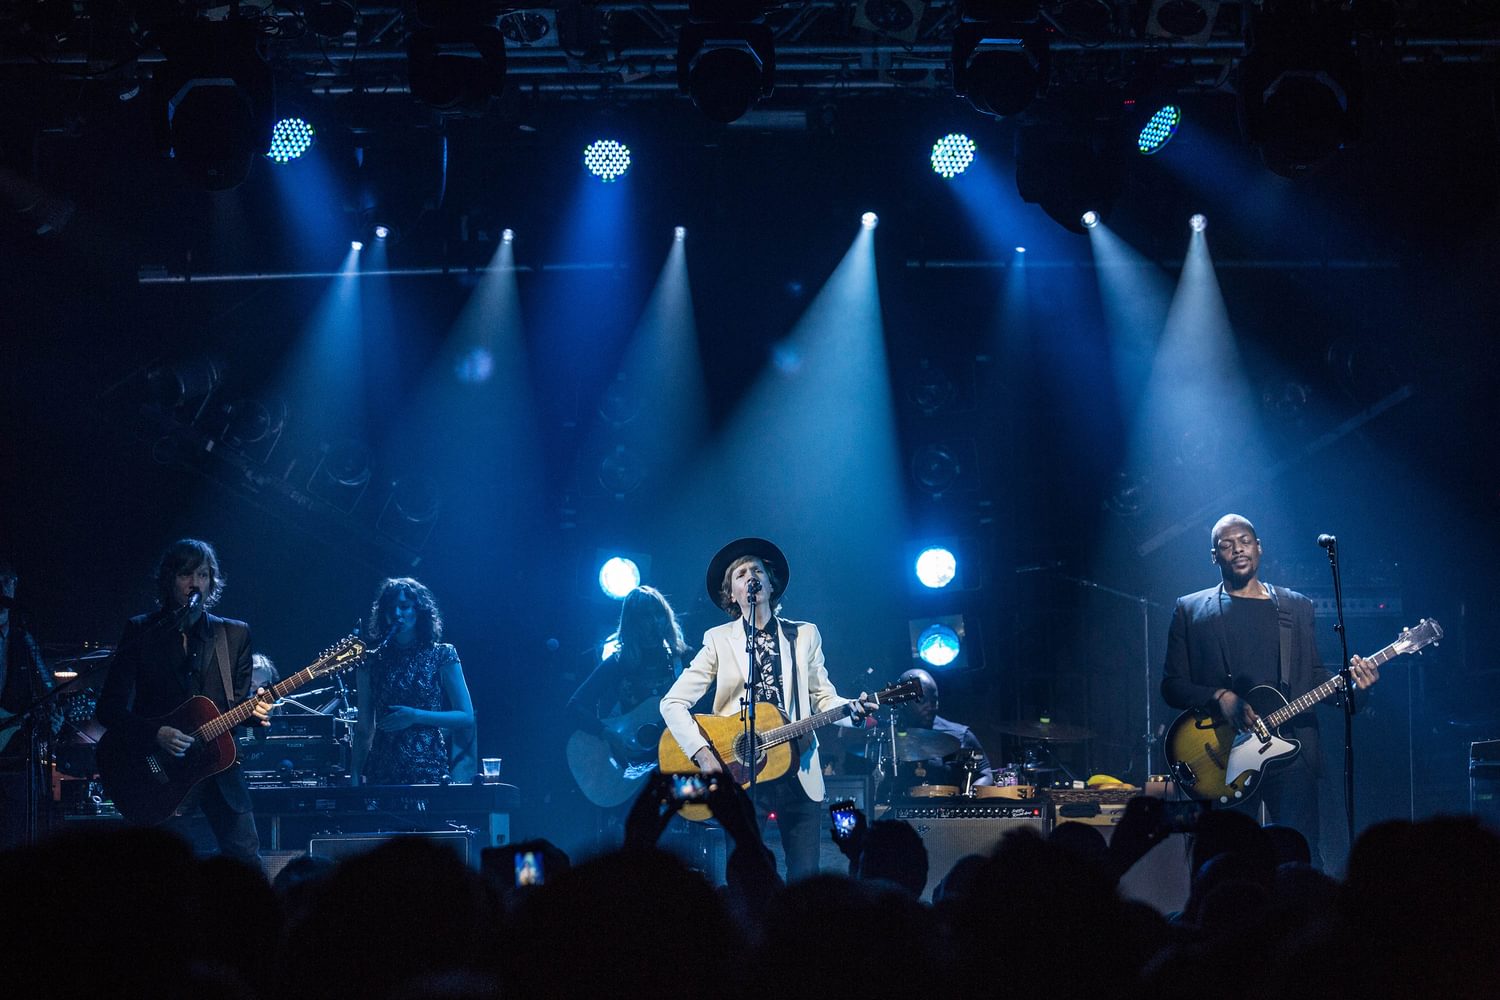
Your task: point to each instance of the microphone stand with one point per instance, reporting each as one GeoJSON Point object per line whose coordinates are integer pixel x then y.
{"type": "Point", "coordinates": [1148, 739]}
{"type": "Point", "coordinates": [1347, 673]}
{"type": "Point", "coordinates": [752, 687]}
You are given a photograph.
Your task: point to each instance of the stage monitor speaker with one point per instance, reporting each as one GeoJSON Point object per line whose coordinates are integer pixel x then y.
{"type": "Point", "coordinates": [345, 845]}
{"type": "Point", "coordinates": [952, 832]}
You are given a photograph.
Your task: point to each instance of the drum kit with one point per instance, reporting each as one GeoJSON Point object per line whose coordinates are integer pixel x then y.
{"type": "Point", "coordinates": [889, 748]}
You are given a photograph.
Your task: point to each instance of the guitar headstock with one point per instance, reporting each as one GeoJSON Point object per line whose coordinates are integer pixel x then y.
{"type": "Point", "coordinates": [1425, 633]}
{"type": "Point", "coordinates": [341, 656]}
{"type": "Point", "coordinates": [907, 690]}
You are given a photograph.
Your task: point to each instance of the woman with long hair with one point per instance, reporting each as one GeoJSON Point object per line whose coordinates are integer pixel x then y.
{"type": "Point", "coordinates": [413, 701]}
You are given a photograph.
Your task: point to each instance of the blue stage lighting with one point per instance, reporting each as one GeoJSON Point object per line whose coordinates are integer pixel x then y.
{"type": "Point", "coordinates": [356, 245]}
{"type": "Point", "coordinates": [1198, 222]}
{"type": "Point", "coordinates": [619, 576]}
{"type": "Point", "coordinates": [1159, 130]}
{"type": "Point", "coordinates": [952, 154]}
{"type": "Point", "coordinates": [381, 232]}
{"type": "Point", "coordinates": [1020, 249]}
{"type": "Point", "coordinates": [507, 236]}
{"type": "Point", "coordinates": [290, 138]}
{"type": "Point", "coordinates": [1090, 219]}
{"type": "Point", "coordinates": [938, 645]}
{"type": "Point", "coordinates": [607, 159]}
{"type": "Point", "coordinates": [869, 220]}
{"type": "Point", "coordinates": [679, 234]}
{"type": "Point", "coordinates": [936, 567]}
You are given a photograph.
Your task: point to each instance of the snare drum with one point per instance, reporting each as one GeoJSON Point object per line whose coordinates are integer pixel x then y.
{"type": "Point", "coordinates": [932, 791]}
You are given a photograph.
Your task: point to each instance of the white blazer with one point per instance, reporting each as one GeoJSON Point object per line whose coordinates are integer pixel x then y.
{"type": "Point", "coordinates": [722, 659]}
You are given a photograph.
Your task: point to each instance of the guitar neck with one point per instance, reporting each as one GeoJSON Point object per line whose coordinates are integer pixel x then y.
{"type": "Point", "coordinates": [222, 724]}
{"type": "Point", "coordinates": [792, 730]}
{"type": "Point", "coordinates": [1327, 689]}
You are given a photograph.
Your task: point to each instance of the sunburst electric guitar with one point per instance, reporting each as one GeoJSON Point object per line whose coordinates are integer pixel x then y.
{"type": "Point", "coordinates": [1210, 760]}
{"type": "Point", "coordinates": [147, 786]}
{"type": "Point", "coordinates": [774, 740]}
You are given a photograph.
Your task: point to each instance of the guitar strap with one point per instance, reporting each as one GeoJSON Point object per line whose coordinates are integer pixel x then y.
{"type": "Point", "coordinates": [794, 710]}
{"type": "Point", "coordinates": [221, 650]}
{"type": "Point", "coordinates": [1284, 617]}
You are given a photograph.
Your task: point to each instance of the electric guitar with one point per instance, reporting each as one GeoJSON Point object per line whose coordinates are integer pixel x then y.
{"type": "Point", "coordinates": [147, 786]}
{"type": "Point", "coordinates": [608, 778]}
{"type": "Point", "coordinates": [1210, 760]}
{"type": "Point", "coordinates": [772, 756]}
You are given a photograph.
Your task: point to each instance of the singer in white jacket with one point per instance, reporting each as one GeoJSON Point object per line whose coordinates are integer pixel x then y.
{"type": "Point", "coordinates": [793, 677]}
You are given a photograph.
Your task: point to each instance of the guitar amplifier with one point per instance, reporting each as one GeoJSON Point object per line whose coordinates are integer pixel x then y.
{"type": "Point", "coordinates": [344, 845]}
{"type": "Point", "coordinates": [956, 830]}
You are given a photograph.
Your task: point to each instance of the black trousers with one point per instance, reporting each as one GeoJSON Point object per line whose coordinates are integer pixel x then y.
{"type": "Point", "coordinates": [798, 818]}
{"type": "Point", "coordinates": [234, 831]}
{"type": "Point", "coordinates": [1291, 799]}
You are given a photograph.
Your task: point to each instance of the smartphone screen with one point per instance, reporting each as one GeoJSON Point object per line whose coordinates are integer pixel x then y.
{"type": "Point", "coordinates": [689, 787]}
{"type": "Point", "coordinates": [529, 870]}
{"type": "Point", "coordinates": [842, 814]}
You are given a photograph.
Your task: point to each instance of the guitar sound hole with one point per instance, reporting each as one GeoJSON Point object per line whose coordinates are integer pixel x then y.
{"type": "Point", "coordinates": [742, 750]}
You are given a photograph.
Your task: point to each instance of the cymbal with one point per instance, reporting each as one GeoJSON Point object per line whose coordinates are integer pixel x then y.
{"type": "Point", "coordinates": [1058, 732]}
{"type": "Point", "coordinates": [912, 744]}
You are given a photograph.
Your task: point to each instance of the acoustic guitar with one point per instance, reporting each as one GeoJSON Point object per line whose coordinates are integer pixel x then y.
{"type": "Point", "coordinates": [610, 769]}
{"type": "Point", "coordinates": [147, 785]}
{"type": "Point", "coordinates": [775, 738]}
{"type": "Point", "coordinates": [1210, 760]}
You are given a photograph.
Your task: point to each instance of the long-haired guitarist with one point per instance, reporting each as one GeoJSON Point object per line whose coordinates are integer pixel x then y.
{"type": "Point", "coordinates": [793, 677]}
{"type": "Point", "coordinates": [175, 653]}
{"type": "Point", "coordinates": [1228, 639]}
{"type": "Point", "coordinates": [615, 712]}
{"type": "Point", "coordinates": [650, 654]}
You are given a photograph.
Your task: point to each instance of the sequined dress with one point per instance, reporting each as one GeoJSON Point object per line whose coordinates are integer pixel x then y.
{"type": "Point", "coordinates": [409, 676]}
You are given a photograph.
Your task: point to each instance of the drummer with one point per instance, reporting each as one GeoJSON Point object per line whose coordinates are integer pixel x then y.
{"type": "Point", "coordinates": [923, 714]}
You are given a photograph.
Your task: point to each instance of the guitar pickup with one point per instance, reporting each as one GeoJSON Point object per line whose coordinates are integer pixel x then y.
{"type": "Point", "coordinates": [1184, 773]}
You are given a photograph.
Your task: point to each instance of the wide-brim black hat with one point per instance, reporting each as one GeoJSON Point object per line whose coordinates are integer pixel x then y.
{"type": "Point", "coordinates": [770, 556]}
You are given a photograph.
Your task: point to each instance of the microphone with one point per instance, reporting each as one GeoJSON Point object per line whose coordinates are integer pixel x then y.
{"type": "Point", "coordinates": [753, 587]}
{"type": "Point", "coordinates": [1327, 542]}
{"type": "Point", "coordinates": [189, 612]}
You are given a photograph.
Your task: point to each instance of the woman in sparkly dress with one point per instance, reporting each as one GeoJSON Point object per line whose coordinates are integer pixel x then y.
{"type": "Point", "coordinates": [413, 701]}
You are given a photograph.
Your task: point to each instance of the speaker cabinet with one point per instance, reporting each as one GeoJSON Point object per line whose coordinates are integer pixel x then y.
{"type": "Point", "coordinates": [952, 832]}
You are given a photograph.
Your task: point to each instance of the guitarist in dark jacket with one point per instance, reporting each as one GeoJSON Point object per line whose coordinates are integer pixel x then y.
{"type": "Point", "coordinates": [1227, 639]}
{"type": "Point", "coordinates": [170, 655]}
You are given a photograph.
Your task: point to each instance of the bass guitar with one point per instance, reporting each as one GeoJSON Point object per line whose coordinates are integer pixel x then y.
{"type": "Point", "coordinates": [611, 768]}
{"type": "Point", "coordinates": [1211, 761]}
{"type": "Point", "coordinates": [147, 785]}
{"type": "Point", "coordinates": [772, 754]}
